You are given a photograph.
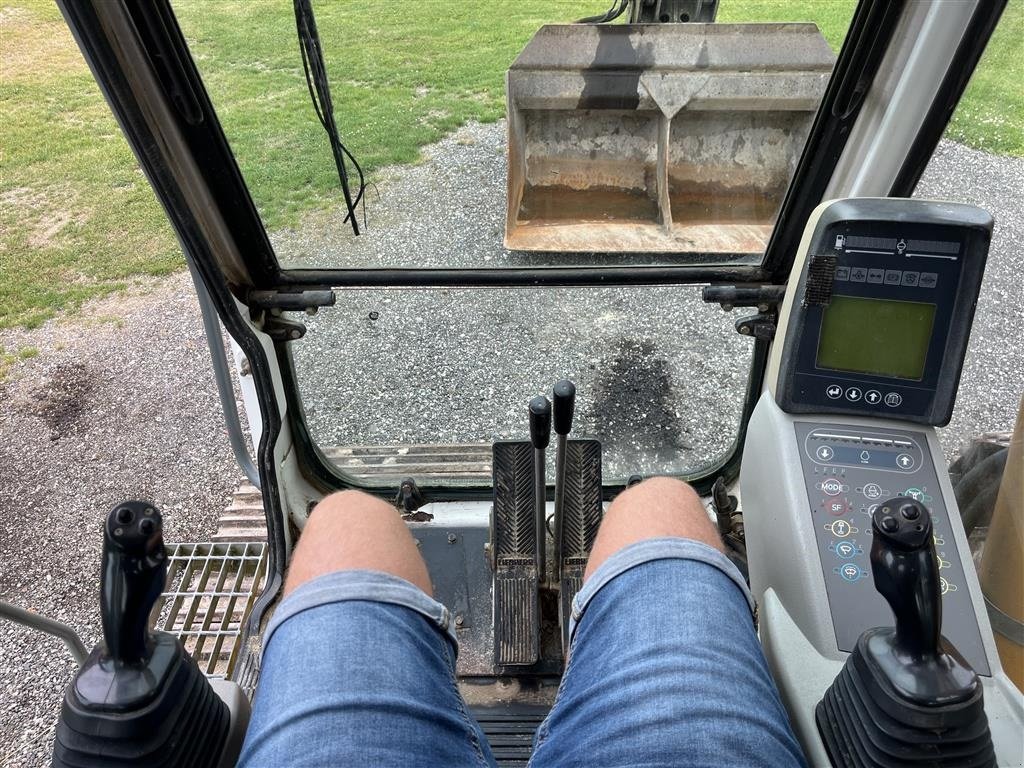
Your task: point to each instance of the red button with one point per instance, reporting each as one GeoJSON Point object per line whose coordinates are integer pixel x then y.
{"type": "Point", "coordinates": [836, 507]}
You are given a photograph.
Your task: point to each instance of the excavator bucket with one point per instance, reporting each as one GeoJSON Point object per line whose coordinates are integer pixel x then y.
{"type": "Point", "coordinates": [658, 137]}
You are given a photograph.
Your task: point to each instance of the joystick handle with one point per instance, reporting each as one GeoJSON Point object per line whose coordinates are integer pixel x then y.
{"type": "Point", "coordinates": [906, 574]}
{"type": "Point", "coordinates": [564, 397]}
{"type": "Point", "coordinates": [540, 422]}
{"type": "Point", "coordinates": [133, 575]}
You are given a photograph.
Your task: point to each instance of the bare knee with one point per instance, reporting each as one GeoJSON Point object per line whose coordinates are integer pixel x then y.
{"type": "Point", "coordinates": [352, 530]}
{"type": "Point", "coordinates": [656, 508]}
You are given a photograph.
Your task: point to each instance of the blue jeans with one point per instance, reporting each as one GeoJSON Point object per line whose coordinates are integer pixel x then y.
{"type": "Point", "coordinates": [664, 670]}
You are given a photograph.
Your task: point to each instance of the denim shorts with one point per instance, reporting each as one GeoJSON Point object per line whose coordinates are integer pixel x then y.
{"type": "Point", "coordinates": [664, 669]}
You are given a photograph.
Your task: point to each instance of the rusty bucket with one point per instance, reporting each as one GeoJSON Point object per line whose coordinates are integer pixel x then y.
{"type": "Point", "coordinates": [658, 137]}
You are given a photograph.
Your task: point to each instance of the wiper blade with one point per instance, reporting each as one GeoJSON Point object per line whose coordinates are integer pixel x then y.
{"type": "Point", "coordinates": [320, 92]}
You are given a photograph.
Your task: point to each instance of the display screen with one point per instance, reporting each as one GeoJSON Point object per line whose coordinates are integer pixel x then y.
{"type": "Point", "coordinates": [876, 336]}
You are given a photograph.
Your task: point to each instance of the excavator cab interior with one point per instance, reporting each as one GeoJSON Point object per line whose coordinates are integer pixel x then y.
{"type": "Point", "coordinates": [662, 162]}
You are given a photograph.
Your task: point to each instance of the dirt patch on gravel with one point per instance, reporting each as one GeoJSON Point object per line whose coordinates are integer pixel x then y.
{"type": "Point", "coordinates": [61, 399]}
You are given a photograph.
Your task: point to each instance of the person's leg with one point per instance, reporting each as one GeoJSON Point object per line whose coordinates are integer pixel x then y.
{"type": "Point", "coordinates": [359, 661]}
{"type": "Point", "coordinates": [665, 668]}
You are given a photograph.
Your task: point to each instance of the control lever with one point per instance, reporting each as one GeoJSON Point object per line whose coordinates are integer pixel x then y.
{"type": "Point", "coordinates": [540, 436]}
{"type": "Point", "coordinates": [564, 396]}
{"type": "Point", "coordinates": [133, 575]}
{"type": "Point", "coordinates": [906, 574]}
{"type": "Point", "coordinates": [139, 698]}
{"type": "Point", "coordinates": [905, 696]}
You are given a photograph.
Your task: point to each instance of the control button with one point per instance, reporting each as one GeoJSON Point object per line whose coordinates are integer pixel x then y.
{"type": "Point", "coordinates": [893, 276]}
{"type": "Point", "coordinates": [824, 453]}
{"type": "Point", "coordinates": [873, 396]}
{"type": "Point", "coordinates": [842, 273]}
{"type": "Point", "coordinates": [928, 280]}
{"type": "Point", "coordinates": [858, 274]}
{"type": "Point", "coordinates": [893, 399]}
{"type": "Point", "coordinates": [853, 394]}
{"type": "Point", "coordinates": [836, 507]}
{"type": "Point", "coordinates": [945, 586]}
{"type": "Point", "coordinates": [834, 391]}
{"type": "Point", "coordinates": [832, 487]}
{"type": "Point", "coordinates": [905, 461]}
{"type": "Point", "coordinates": [840, 528]}
{"type": "Point", "coordinates": [865, 457]}
{"type": "Point", "coordinates": [845, 549]}
{"type": "Point", "coordinates": [889, 524]}
{"type": "Point", "coordinates": [851, 572]}
{"type": "Point", "coordinates": [876, 276]}
{"type": "Point", "coordinates": [918, 494]}
{"type": "Point", "coordinates": [873, 491]}
{"type": "Point", "coordinates": [910, 278]}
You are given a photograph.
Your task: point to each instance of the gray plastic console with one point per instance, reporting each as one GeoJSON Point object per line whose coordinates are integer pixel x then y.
{"type": "Point", "coordinates": [808, 611]}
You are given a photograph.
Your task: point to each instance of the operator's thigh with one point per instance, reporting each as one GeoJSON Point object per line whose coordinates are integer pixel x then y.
{"type": "Point", "coordinates": [665, 669]}
{"type": "Point", "coordinates": [360, 682]}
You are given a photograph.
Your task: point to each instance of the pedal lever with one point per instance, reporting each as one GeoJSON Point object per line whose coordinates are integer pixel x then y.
{"type": "Point", "coordinates": [514, 553]}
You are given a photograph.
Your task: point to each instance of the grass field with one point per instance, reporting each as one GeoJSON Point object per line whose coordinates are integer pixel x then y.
{"type": "Point", "coordinates": [78, 219]}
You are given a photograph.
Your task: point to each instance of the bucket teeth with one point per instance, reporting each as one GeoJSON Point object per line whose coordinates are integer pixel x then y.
{"type": "Point", "coordinates": [581, 518]}
{"type": "Point", "coordinates": [514, 549]}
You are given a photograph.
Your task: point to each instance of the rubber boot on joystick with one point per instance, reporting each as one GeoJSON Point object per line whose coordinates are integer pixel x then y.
{"type": "Point", "coordinates": [139, 699]}
{"type": "Point", "coordinates": [905, 696]}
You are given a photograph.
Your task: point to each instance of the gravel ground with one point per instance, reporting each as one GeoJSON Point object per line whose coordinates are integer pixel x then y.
{"type": "Point", "coordinates": [121, 401]}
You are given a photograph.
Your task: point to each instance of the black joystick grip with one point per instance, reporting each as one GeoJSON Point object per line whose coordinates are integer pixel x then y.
{"type": "Point", "coordinates": [906, 574]}
{"type": "Point", "coordinates": [133, 575]}
{"type": "Point", "coordinates": [564, 396]}
{"type": "Point", "coordinates": [540, 422]}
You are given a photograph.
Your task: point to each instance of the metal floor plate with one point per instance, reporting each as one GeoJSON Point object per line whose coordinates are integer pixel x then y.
{"type": "Point", "coordinates": [210, 589]}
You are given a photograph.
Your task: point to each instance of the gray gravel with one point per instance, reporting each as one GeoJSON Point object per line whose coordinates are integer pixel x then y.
{"type": "Point", "coordinates": [119, 404]}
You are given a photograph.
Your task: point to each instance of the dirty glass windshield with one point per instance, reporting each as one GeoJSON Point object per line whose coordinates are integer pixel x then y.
{"type": "Point", "coordinates": [664, 144]}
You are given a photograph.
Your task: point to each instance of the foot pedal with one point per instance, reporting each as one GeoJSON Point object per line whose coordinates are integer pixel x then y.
{"type": "Point", "coordinates": [514, 552]}
{"type": "Point", "coordinates": [581, 519]}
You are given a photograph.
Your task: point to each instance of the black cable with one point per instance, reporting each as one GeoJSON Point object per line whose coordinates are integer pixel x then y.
{"type": "Point", "coordinates": [320, 92]}
{"type": "Point", "coordinates": [610, 15]}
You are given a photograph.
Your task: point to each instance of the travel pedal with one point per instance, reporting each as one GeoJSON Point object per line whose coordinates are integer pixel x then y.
{"type": "Point", "coordinates": [514, 552]}
{"type": "Point", "coordinates": [581, 517]}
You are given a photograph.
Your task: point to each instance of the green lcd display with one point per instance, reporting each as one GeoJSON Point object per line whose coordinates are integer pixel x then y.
{"type": "Point", "coordinates": [876, 336]}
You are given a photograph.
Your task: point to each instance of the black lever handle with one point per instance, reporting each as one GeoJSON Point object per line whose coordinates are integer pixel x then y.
{"type": "Point", "coordinates": [133, 575]}
{"type": "Point", "coordinates": [906, 574]}
{"type": "Point", "coordinates": [564, 397]}
{"type": "Point", "coordinates": [540, 422]}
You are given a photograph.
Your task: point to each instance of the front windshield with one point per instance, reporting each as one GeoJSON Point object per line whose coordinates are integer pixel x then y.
{"type": "Point", "coordinates": [665, 144]}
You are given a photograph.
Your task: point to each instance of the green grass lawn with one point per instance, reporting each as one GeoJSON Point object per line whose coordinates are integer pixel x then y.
{"type": "Point", "coordinates": [78, 219]}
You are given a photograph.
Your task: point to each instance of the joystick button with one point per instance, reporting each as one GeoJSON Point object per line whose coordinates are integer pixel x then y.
{"type": "Point", "coordinates": [910, 512]}
{"type": "Point", "coordinates": [889, 524]}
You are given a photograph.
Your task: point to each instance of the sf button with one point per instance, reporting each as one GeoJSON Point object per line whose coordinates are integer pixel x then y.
{"type": "Point", "coordinates": [836, 507]}
{"type": "Point", "coordinates": [825, 453]}
{"type": "Point", "coordinates": [873, 396]}
{"type": "Point", "coordinates": [894, 399]}
{"type": "Point", "coordinates": [832, 487]}
{"type": "Point", "coordinates": [834, 391]}
{"type": "Point", "coordinates": [853, 394]}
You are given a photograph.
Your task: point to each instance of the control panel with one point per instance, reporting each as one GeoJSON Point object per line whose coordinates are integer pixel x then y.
{"type": "Point", "coordinates": [848, 471]}
{"type": "Point", "coordinates": [878, 323]}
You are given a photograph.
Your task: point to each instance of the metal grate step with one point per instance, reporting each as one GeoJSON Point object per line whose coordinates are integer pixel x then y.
{"type": "Point", "coordinates": [210, 589]}
{"type": "Point", "coordinates": [509, 731]}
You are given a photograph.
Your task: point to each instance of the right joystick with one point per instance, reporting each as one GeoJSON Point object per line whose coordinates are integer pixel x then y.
{"type": "Point", "coordinates": [905, 696]}
{"type": "Point", "coordinates": [906, 574]}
